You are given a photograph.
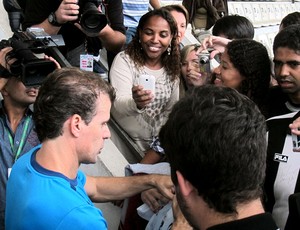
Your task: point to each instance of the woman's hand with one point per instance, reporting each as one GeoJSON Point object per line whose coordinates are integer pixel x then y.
{"type": "Point", "coordinates": [217, 43]}
{"type": "Point", "coordinates": [141, 97]}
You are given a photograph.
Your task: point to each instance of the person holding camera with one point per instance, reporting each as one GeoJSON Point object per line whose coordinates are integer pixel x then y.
{"type": "Point", "coordinates": [62, 17]}
{"type": "Point", "coordinates": [16, 125]}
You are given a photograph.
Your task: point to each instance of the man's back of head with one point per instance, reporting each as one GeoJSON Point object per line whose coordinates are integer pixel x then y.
{"type": "Point", "coordinates": [233, 27]}
{"type": "Point", "coordinates": [290, 19]}
{"type": "Point", "coordinates": [215, 137]}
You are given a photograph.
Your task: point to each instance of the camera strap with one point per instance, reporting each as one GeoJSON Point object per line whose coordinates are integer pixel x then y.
{"type": "Point", "coordinates": [17, 151]}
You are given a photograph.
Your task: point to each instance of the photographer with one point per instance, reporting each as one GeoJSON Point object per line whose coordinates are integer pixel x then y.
{"type": "Point", "coordinates": [59, 17]}
{"type": "Point", "coordinates": [16, 125]}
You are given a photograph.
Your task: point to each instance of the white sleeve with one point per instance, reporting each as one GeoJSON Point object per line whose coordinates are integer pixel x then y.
{"type": "Point", "coordinates": [122, 75]}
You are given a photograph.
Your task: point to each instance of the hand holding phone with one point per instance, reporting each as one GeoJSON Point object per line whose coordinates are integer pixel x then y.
{"type": "Point", "coordinates": [148, 82]}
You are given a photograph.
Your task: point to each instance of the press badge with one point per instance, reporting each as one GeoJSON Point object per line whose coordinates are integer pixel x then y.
{"type": "Point", "coordinates": [86, 62]}
{"type": "Point", "coordinates": [8, 172]}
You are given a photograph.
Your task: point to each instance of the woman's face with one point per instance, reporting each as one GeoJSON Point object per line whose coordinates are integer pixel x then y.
{"type": "Point", "coordinates": [190, 70]}
{"type": "Point", "coordinates": [226, 74]}
{"type": "Point", "coordinates": [181, 24]}
{"type": "Point", "coordinates": [155, 37]}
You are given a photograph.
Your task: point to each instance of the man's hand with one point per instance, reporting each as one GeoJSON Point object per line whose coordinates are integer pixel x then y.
{"type": "Point", "coordinates": [67, 11]}
{"type": "Point", "coordinates": [154, 199]}
{"type": "Point", "coordinates": [53, 60]}
{"type": "Point", "coordinates": [3, 60]}
{"type": "Point", "coordinates": [5, 64]}
{"type": "Point", "coordinates": [164, 185]}
{"type": "Point", "coordinates": [295, 126]}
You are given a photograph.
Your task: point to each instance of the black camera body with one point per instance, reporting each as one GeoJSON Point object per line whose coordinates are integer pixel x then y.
{"type": "Point", "coordinates": [31, 70]}
{"type": "Point", "coordinates": [90, 18]}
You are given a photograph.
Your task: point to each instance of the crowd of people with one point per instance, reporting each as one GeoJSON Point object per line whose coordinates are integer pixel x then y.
{"type": "Point", "coordinates": [226, 130]}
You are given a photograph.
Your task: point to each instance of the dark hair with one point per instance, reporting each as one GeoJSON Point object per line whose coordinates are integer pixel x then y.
{"type": "Point", "coordinates": [178, 8]}
{"type": "Point", "coordinates": [252, 61]}
{"type": "Point", "coordinates": [289, 37]}
{"type": "Point", "coordinates": [170, 62]}
{"type": "Point", "coordinates": [290, 19]}
{"type": "Point", "coordinates": [66, 92]}
{"type": "Point", "coordinates": [215, 137]}
{"type": "Point", "coordinates": [233, 27]}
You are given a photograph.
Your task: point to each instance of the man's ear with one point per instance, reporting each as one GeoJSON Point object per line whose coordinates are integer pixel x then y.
{"type": "Point", "coordinates": [185, 186]}
{"type": "Point", "coordinates": [75, 124]}
{"type": "Point", "coordinates": [3, 90]}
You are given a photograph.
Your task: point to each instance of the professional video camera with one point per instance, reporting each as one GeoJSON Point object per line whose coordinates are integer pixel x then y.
{"type": "Point", "coordinates": [91, 19]}
{"type": "Point", "coordinates": [28, 66]}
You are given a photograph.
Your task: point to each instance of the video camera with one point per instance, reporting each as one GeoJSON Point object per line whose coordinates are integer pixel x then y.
{"type": "Point", "coordinates": [91, 19]}
{"type": "Point", "coordinates": [31, 70]}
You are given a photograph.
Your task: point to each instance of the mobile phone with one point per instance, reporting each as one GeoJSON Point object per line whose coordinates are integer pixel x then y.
{"type": "Point", "coordinates": [148, 82]}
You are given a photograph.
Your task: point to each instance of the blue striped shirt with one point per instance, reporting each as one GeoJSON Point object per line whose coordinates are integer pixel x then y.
{"type": "Point", "coordinates": [133, 11]}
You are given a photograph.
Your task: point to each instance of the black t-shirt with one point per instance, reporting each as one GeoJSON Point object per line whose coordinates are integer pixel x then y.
{"type": "Point", "coordinates": [279, 103]}
{"type": "Point", "coordinates": [258, 222]}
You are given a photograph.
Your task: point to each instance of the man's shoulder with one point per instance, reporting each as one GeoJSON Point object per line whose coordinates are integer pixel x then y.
{"type": "Point", "coordinates": [276, 102]}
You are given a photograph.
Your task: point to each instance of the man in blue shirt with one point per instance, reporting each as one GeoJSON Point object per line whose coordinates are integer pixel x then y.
{"type": "Point", "coordinates": [17, 135]}
{"type": "Point", "coordinates": [70, 115]}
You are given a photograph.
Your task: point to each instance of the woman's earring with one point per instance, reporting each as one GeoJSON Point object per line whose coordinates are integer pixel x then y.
{"type": "Point", "coordinates": [169, 50]}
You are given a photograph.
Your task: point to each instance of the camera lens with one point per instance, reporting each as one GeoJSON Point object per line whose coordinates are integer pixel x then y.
{"type": "Point", "coordinates": [91, 19]}
{"type": "Point", "coordinates": [204, 59]}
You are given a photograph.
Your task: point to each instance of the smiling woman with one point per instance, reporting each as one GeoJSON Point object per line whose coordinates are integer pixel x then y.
{"type": "Point", "coordinates": [245, 66]}
{"type": "Point", "coordinates": [153, 52]}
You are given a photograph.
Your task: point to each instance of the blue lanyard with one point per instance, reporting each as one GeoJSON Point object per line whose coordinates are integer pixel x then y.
{"type": "Point", "coordinates": [17, 151]}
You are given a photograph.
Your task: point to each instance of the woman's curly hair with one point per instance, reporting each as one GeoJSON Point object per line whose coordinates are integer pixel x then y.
{"type": "Point", "coordinates": [171, 62]}
{"type": "Point", "coordinates": [251, 59]}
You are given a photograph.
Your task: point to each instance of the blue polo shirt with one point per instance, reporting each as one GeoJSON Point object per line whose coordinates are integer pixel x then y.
{"type": "Point", "coordinates": [44, 199]}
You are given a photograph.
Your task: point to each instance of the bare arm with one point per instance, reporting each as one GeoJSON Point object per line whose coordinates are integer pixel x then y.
{"type": "Point", "coordinates": [112, 40]}
{"type": "Point", "coordinates": [155, 4]}
{"type": "Point", "coordinates": [217, 43]}
{"type": "Point", "coordinates": [67, 11]}
{"type": "Point", "coordinates": [103, 189]}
